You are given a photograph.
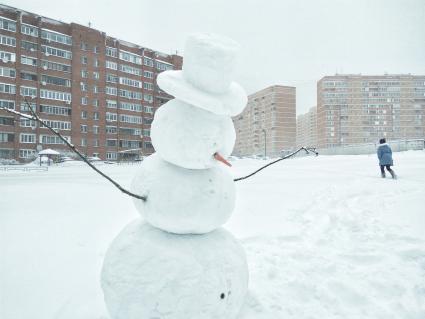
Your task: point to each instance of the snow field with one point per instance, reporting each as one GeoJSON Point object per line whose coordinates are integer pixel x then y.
{"type": "Point", "coordinates": [325, 237]}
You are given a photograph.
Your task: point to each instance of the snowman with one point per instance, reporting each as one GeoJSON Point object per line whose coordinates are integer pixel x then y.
{"type": "Point", "coordinates": [177, 262]}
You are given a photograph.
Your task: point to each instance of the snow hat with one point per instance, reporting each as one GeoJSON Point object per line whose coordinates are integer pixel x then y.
{"type": "Point", "coordinates": [206, 78]}
{"type": "Point", "coordinates": [382, 141]}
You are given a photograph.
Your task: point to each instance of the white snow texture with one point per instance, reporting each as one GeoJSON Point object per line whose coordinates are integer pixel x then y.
{"type": "Point", "coordinates": [183, 201]}
{"type": "Point", "coordinates": [174, 276]}
{"type": "Point", "coordinates": [188, 136]}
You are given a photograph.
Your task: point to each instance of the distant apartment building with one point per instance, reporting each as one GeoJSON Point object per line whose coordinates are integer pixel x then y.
{"type": "Point", "coordinates": [354, 109]}
{"type": "Point", "coordinates": [267, 126]}
{"type": "Point", "coordinates": [307, 128]}
{"type": "Point", "coordinates": [97, 91]}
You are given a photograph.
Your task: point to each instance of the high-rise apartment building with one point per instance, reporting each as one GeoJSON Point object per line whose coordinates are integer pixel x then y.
{"type": "Point", "coordinates": [97, 91]}
{"type": "Point", "coordinates": [355, 109]}
{"type": "Point", "coordinates": [307, 128]}
{"type": "Point", "coordinates": [267, 126]}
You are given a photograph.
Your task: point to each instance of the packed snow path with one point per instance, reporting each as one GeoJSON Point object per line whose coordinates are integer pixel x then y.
{"type": "Point", "coordinates": [326, 237]}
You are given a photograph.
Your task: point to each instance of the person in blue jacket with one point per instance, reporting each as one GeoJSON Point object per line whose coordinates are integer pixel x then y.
{"type": "Point", "coordinates": [385, 156]}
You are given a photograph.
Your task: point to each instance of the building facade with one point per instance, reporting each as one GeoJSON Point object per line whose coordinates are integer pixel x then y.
{"type": "Point", "coordinates": [267, 126]}
{"type": "Point", "coordinates": [354, 109]}
{"type": "Point", "coordinates": [307, 128]}
{"type": "Point", "coordinates": [99, 92]}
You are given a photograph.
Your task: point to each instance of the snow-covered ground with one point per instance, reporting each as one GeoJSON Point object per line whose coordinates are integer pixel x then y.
{"type": "Point", "coordinates": [325, 237]}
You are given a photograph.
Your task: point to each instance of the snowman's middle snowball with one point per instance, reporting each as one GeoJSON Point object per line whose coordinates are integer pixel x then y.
{"type": "Point", "coordinates": [183, 201]}
{"type": "Point", "coordinates": [188, 136]}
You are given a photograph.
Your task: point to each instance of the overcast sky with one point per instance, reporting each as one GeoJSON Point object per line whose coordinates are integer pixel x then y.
{"type": "Point", "coordinates": [287, 42]}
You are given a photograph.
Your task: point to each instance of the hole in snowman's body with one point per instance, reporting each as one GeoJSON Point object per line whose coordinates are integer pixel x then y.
{"type": "Point", "coordinates": [222, 296]}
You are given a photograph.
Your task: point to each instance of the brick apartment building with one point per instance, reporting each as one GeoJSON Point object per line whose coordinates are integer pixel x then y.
{"type": "Point", "coordinates": [97, 91]}
{"type": "Point", "coordinates": [268, 123]}
{"type": "Point", "coordinates": [307, 128]}
{"type": "Point", "coordinates": [354, 109]}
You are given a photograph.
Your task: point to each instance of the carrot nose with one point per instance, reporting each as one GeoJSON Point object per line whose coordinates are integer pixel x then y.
{"type": "Point", "coordinates": [220, 158]}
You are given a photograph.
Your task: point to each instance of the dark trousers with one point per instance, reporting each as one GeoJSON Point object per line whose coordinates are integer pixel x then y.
{"type": "Point", "coordinates": [388, 167]}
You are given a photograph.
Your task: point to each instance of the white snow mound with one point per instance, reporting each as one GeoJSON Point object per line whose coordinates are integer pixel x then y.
{"type": "Point", "coordinates": [188, 136]}
{"type": "Point", "coordinates": [149, 273]}
{"type": "Point", "coordinates": [183, 201]}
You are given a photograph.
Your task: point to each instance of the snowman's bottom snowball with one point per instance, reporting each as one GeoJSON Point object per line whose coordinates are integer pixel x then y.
{"type": "Point", "coordinates": [149, 273]}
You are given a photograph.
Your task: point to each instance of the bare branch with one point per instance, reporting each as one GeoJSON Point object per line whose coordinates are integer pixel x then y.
{"type": "Point", "coordinates": [307, 150]}
{"type": "Point", "coordinates": [35, 117]}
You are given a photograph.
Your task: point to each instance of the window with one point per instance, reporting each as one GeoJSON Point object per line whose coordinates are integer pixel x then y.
{"type": "Point", "coordinates": [110, 90]}
{"type": "Point", "coordinates": [55, 66]}
{"type": "Point", "coordinates": [28, 91]}
{"type": "Point", "coordinates": [96, 75]}
{"type": "Point", "coordinates": [83, 142]}
{"type": "Point", "coordinates": [26, 153]}
{"type": "Point", "coordinates": [84, 114]}
{"type": "Point", "coordinates": [148, 62]}
{"type": "Point", "coordinates": [96, 49]}
{"type": "Point", "coordinates": [84, 46]}
{"type": "Point", "coordinates": [95, 116]}
{"type": "Point", "coordinates": [111, 78]}
{"type": "Point", "coordinates": [111, 52]}
{"type": "Point", "coordinates": [5, 40]}
{"type": "Point", "coordinates": [7, 72]}
{"type": "Point", "coordinates": [83, 128]}
{"type": "Point", "coordinates": [131, 94]}
{"type": "Point", "coordinates": [53, 139]}
{"type": "Point", "coordinates": [26, 108]}
{"type": "Point", "coordinates": [111, 65]}
{"type": "Point", "coordinates": [95, 89]}
{"type": "Point", "coordinates": [130, 57]}
{"type": "Point", "coordinates": [28, 60]}
{"type": "Point", "coordinates": [58, 125]}
{"type": "Point", "coordinates": [96, 102]}
{"type": "Point", "coordinates": [163, 66]}
{"type": "Point", "coordinates": [95, 129]}
{"type": "Point", "coordinates": [84, 87]}
{"type": "Point", "coordinates": [7, 121]}
{"type": "Point", "coordinates": [84, 74]}
{"type": "Point", "coordinates": [129, 69]}
{"type": "Point", "coordinates": [111, 117]}
{"type": "Point", "coordinates": [29, 30]}
{"type": "Point", "coordinates": [7, 104]}
{"type": "Point", "coordinates": [148, 98]}
{"type": "Point", "coordinates": [56, 37]}
{"type": "Point", "coordinates": [111, 156]}
{"type": "Point", "coordinates": [111, 104]}
{"type": "Point", "coordinates": [111, 130]}
{"type": "Point", "coordinates": [130, 82]}
{"type": "Point", "coordinates": [148, 74]}
{"type": "Point", "coordinates": [29, 46]}
{"type": "Point", "coordinates": [7, 24]}
{"type": "Point", "coordinates": [7, 56]}
{"type": "Point", "coordinates": [26, 138]}
{"type": "Point", "coordinates": [7, 88]}
{"type": "Point", "coordinates": [55, 80]}
{"type": "Point", "coordinates": [130, 131]}
{"type": "Point", "coordinates": [95, 143]}
{"type": "Point", "coordinates": [84, 59]}
{"type": "Point", "coordinates": [55, 95]}
{"type": "Point", "coordinates": [111, 143]}
{"type": "Point", "coordinates": [130, 106]}
{"type": "Point", "coordinates": [24, 122]}
{"type": "Point", "coordinates": [84, 100]}
{"type": "Point", "coordinates": [56, 52]}
{"type": "Point", "coordinates": [148, 109]}
{"type": "Point", "coordinates": [55, 110]}
{"type": "Point", "coordinates": [130, 119]}
{"type": "Point", "coordinates": [148, 86]}
{"type": "Point", "coordinates": [7, 137]}
{"type": "Point", "coordinates": [146, 132]}
{"type": "Point", "coordinates": [28, 76]}
{"type": "Point", "coordinates": [96, 63]}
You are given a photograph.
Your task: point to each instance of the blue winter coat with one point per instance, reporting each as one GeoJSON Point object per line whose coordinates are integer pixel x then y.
{"type": "Point", "coordinates": [385, 154]}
